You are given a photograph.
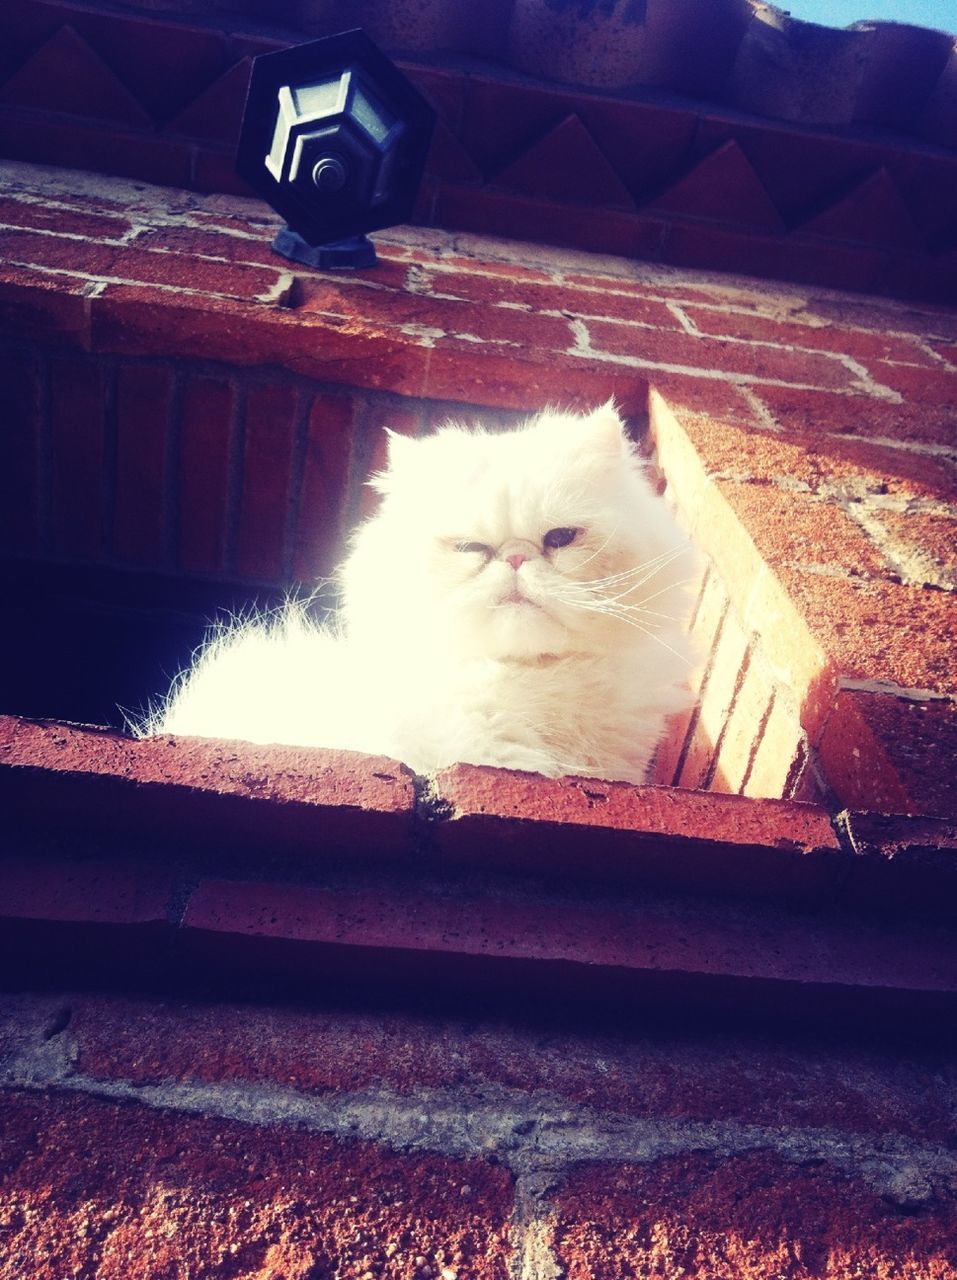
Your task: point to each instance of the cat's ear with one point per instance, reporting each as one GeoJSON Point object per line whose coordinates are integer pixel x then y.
{"type": "Point", "coordinates": [400, 448]}
{"type": "Point", "coordinates": [606, 430]}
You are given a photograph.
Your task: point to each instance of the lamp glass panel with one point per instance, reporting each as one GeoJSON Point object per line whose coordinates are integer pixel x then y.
{"type": "Point", "coordinates": [324, 98]}
{"type": "Point", "coordinates": [371, 115]}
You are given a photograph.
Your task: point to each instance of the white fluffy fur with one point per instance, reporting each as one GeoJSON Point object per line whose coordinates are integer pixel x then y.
{"type": "Point", "coordinates": [436, 659]}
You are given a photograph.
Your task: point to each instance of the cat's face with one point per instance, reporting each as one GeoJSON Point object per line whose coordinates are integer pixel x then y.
{"type": "Point", "coordinates": [540, 541]}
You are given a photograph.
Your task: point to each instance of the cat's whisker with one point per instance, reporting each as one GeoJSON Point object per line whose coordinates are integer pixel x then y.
{"type": "Point", "coordinates": [588, 591]}
{"type": "Point", "coordinates": [652, 635]}
{"type": "Point", "coordinates": [640, 573]}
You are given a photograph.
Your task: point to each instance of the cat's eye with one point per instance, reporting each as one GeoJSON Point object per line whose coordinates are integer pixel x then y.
{"type": "Point", "coordinates": [474, 548]}
{"type": "Point", "coordinates": [559, 538]}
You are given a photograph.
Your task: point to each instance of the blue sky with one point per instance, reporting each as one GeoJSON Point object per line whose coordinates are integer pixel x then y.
{"type": "Point", "coordinates": [941, 14]}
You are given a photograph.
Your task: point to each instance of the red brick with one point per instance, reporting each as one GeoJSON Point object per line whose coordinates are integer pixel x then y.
{"type": "Point", "coordinates": [251, 246]}
{"type": "Point", "coordinates": [44, 307]}
{"type": "Point", "coordinates": [880, 630]}
{"type": "Point", "coordinates": [206, 792]}
{"type": "Point", "coordinates": [510, 265]}
{"type": "Point", "coordinates": [62, 220]}
{"type": "Point", "coordinates": [325, 474]}
{"type": "Point", "coordinates": [87, 258]}
{"type": "Point", "coordinates": [817, 460]}
{"type": "Point", "coordinates": [760, 596]}
{"type": "Point", "coordinates": [140, 321]}
{"type": "Point", "coordinates": [20, 466]}
{"type": "Point", "coordinates": [781, 753]}
{"type": "Point", "coordinates": [724, 183]}
{"type": "Point", "coordinates": [883, 316]}
{"type": "Point", "coordinates": [145, 49]}
{"type": "Point", "coordinates": [395, 939]}
{"type": "Point", "coordinates": [795, 529]}
{"type": "Point", "coordinates": [207, 406]}
{"type": "Point", "coordinates": [754, 1078]}
{"type": "Point", "coordinates": [936, 385]}
{"type": "Point", "coordinates": [143, 395]}
{"type": "Point", "coordinates": [859, 344]}
{"type": "Point", "coordinates": [798, 409]}
{"type": "Point", "coordinates": [757, 1215]}
{"type": "Point", "coordinates": [714, 400]}
{"type": "Point", "coordinates": [889, 754]}
{"type": "Point", "coordinates": [739, 742]}
{"type": "Point", "coordinates": [723, 673]}
{"type": "Point", "coordinates": [98, 892]}
{"type": "Point", "coordinates": [77, 435]}
{"type": "Point", "coordinates": [933, 279]}
{"type": "Point", "coordinates": [669, 750]}
{"type": "Point", "coordinates": [567, 166]}
{"type": "Point", "coordinates": [268, 425]}
{"type": "Point", "coordinates": [646, 834]}
{"type": "Point", "coordinates": [855, 761]}
{"type": "Point", "coordinates": [142, 266]}
{"type": "Point", "coordinates": [114, 1189]}
{"type": "Point", "coordinates": [706, 625]}
{"type": "Point", "coordinates": [100, 914]}
{"type": "Point", "coordinates": [516, 378]}
{"type": "Point", "coordinates": [397, 308]}
{"type": "Point", "coordinates": [523, 296]}
{"type": "Point", "coordinates": [756, 363]}
{"type": "Point", "coordinates": [670, 286]}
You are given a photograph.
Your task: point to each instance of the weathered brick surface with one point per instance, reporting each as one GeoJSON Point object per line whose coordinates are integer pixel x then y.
{"type": "Point", "coordinates": [597, 954]}
{"type": "Point", "coordinates": [891, 754]}
{"type": "Point", "coordinates": [754, 1078]}
{"type": "Point", "coordinates": [101, 914]}
{"type": "Point", "coordinates": [63, 776]}
{"type": "Point", "coordinates": [633, 833]}
{"type": "Point", "coordinates": [758, 1216]}
{"type": "Point", "coordinates": [115, 1190]}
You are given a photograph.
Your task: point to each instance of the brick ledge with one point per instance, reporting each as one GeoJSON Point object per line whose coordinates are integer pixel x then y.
{"type": "Point", "coordinates": [193, 857]}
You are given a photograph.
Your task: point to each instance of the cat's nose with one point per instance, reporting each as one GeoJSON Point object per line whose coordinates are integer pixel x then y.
{"type": "Point", "coordinates": [516, 551]}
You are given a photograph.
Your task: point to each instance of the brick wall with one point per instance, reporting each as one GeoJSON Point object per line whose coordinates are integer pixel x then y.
{"type": "Point", "coordinates": [274, 1013]}
{"type": "Point", "coordinates": [173, 1137]}
{"type": "Point", "coordinates": [292, 1015]}
{"type": "Point", "coordinates": [185, 404]}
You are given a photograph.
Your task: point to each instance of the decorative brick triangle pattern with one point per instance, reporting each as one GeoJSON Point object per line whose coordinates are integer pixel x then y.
{"type": "Point", "coordinates": [215, 116]}
{"type": "Point", "coordinates": [723, 187]}
{"type": "Point", "coordinates": [66, 75]}
{"type": "Point", "coordinates": [448, 158]}
{"type": "Point", "coordinates": [567, 165]}
{"type": "Point", "coordinates": [871, 213]}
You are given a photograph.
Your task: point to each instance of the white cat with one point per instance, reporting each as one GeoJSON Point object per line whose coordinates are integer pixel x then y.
{"type": "Point", "coordinates": [519, 599]}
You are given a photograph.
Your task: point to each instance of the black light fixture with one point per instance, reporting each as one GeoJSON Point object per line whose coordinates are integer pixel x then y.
{"type": "Point", "coordinates": [334, 138]}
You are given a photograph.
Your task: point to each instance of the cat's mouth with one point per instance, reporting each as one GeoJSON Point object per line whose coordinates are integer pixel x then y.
{"type": "Point", "coordinates": [516, 597]}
